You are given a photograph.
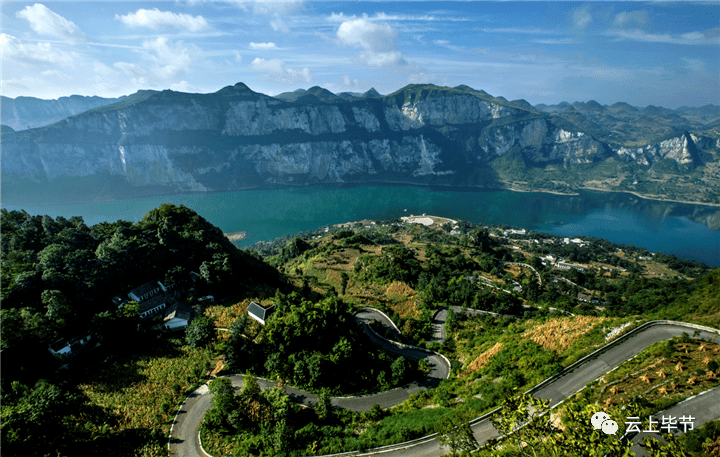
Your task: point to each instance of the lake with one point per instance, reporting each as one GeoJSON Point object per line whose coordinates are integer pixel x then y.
{"type": "Point", "coordinates": [266, 214]}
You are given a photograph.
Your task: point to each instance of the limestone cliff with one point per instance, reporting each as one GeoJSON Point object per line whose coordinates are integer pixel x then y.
{"type": "Point", "coordinates": [236, 138]}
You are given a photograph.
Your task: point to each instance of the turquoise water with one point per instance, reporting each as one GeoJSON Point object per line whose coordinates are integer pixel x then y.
{"type": "Point", "coordinates": [266, 214]}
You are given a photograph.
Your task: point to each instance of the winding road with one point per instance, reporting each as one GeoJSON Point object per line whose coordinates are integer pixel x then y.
{"type": "Point", "coordinates": [184, 435]}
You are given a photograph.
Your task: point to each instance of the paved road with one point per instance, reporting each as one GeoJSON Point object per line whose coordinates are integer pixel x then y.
{"type": "Point", "coordinates": [438, 319]}
{"type": "Point", "coordinates": [702, 408]}
{"type": "Point", "coordinates": [184, 439]}
{"type": "Point", "coordinates": [535, 272]}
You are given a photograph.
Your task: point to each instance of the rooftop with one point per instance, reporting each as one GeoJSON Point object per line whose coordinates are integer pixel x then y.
{"type": "Point", "coordinates": [177, 309]}
{"type": "Point", "coordinates": [145, 288]}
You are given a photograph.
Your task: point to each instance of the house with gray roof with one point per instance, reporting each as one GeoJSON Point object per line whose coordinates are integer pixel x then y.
{"type": "Point", "coordinates": [259, 313]}
{"type": "Point", "coordinates": [68, 347]}
{"type": "Point", "coordinates": [146, 291]}
{"type": "Point", "coordinates": [153, 306]}
{"type": "Point", "coordinates": [177, 314]}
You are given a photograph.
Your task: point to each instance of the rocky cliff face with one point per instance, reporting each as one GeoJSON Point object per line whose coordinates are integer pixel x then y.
{"type": "Point", "coordinates": [683, 150]}
{"type": "Point", "coordinates": [23, 113]}
{"type": "Point", "coordinates": [236, 138]}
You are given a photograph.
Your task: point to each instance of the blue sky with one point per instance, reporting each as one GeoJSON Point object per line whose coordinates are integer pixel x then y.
{"type": "Point", "coordinates": [655, 53]}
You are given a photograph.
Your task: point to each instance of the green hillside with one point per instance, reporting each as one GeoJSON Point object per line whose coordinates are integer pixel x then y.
{"type": "Point", "coordinates": [556, 301]}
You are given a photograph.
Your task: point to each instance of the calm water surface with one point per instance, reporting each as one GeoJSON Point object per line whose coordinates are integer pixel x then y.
{"type": "Point", "coordinates": [266, 214]}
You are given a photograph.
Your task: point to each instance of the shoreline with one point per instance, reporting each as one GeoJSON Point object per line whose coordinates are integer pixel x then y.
{"type": "Point", "coordinates": [451, 187]}
{"type": "Point", "coordinates": [236, 236]}
{"type": "Point", "coordinates": [658, 199]}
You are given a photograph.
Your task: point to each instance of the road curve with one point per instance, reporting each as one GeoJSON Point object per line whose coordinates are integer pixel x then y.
{"type": "Point", "coordinates": [184, 439]}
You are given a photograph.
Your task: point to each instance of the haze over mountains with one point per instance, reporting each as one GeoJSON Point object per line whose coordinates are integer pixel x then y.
{"type": "Point", "coordinates": [164, 142]}
{"type": "Point", "coordinates": [23, 113]}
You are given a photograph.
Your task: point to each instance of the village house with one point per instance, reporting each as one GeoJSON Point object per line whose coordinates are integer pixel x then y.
{"type": "Point", "coordinates": [177, 315]}
{"type": "Point", "coordinates": [584, 297]}
{"type": "Point", "coordinates": [568, 266]}
{"type": "Point", "coordinates": [146, 291]}
{"type": "Point", "coordinates": [153, 306]}
{"type": "Point", "coordinates": [70, 347]}
{"type": "Point", "coordinates": [259, 313]}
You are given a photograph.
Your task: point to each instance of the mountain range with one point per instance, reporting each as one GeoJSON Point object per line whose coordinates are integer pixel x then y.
{"type": "Point", "coordinates": [159, 142]}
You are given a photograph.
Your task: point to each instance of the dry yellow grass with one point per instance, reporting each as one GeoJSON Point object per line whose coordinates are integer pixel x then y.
{"type": "Point", "coordinates": [401, 298]}
{"type": "Point", "coordinates": [399, 288]}
{"type": "Point", "coordinates": [561, 333]}
{"type": "Point", "coordinates": [482, 360]}
{"type": "Point", "coordinates": [224, 316]}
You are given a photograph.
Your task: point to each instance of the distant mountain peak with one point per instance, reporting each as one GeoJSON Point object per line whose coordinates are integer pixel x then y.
{"type": "Point", "coordinates": [371, 93]}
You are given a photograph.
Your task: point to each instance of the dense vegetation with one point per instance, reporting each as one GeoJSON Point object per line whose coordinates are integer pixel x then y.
{"type": "Point", "coordinates": [59, 277]}
{"type": "Point", "coordinates": [296, 347]}
{"type": "Point", "coordinates": [58, 280]}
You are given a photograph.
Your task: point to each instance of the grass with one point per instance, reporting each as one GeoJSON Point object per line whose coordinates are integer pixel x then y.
{"type": "Point", "coordinates": [664, 374]}
{"type": "Point", "coordinates": [141, 392]}
{"type": "Point", "coordinates": [560, 334]}
{"type": "Point", "coordinates": [224, 316]}
{"type": "Point", "coordinates": [483, 359]}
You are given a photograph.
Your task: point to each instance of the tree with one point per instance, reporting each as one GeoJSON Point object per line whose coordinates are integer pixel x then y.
{"type": "Point", "coordinates": [399, 369]}
{"type": "Point", "coordinates": [199, 332]}
{"type": "Point", "coordinates": [454, 432]}
{"type": "Point", "coordinates": [523, 419]}
{"type": "Point", "coordinates": [344, 281]}
{"type": "Point", "coordinates": [57, 307]}
{"type": "Point", "coordinates": [31, 419]}
{"type": "Point", "coordinates": [323, 407]}
{"type": "Point", "coordinates": [251, 388]}
{"type": "Point", "coordinates": [671, 448]}
{"type": "Point", "coordinates": [224, 403]}
{"type": "Point", "coordinates": [281, 438]}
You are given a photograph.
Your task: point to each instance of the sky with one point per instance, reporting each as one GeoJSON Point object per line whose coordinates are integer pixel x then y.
{"type": "Point", "coordinates": [657, 53]}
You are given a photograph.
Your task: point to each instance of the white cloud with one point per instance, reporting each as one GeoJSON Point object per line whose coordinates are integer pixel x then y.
{"type": "Point", "coordinates": [376, 40]}
{"type": "Point", "coordinates": [46, 22]}
{"type": "Point", "coordinates": [55, 74]}
{"type": "Point", "coordinates": [102, 71]}
{"type": "Point", "coordinates": [273, 7]}
{"type": "Point", "coordinates": [631, 19]}
{"type": "Point", "coordinates": [425, 78]}
{"type": "Point", "coordinates": [557, 41]}
{"type": "Point", "coordinates": [182, 86]}
{"type": "Point", "coordinates": [279, 25]}
{"type": "Point", "coordinates": [170, 59]}
{"type": "Point", "coordinates": [129, 69]}
{"type": "Point", "coordinates": [276, 70]}
{"type": "Point", "coordinates": [446, 44]}
{"type": "Point", "coordinates": [156, 19]}
{"type": "Point", "coordinates": [11, 87]}
{"type": "Point", "coordinates": [263, 46]}
{"type": "Point", "coordinates": [342, 17]}
{"type": "Point", "coordinates": [350, 82]}
{"type": "Point", "coordinates": [238, 56]}
{"type": "Point", "coordinates": [581, 17]}
{"type": "Point", "coordinates": [693, 64]}
{"type": "Point", "coordinates": [39, 53]}
{"type": "Point", "coordinates": [524, 31]}
{"type": "Point", "coordinates": [692, 38]}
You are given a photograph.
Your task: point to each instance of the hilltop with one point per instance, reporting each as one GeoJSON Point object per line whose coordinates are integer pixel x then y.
{"type": "Point", "coordinates": [164, 142]}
